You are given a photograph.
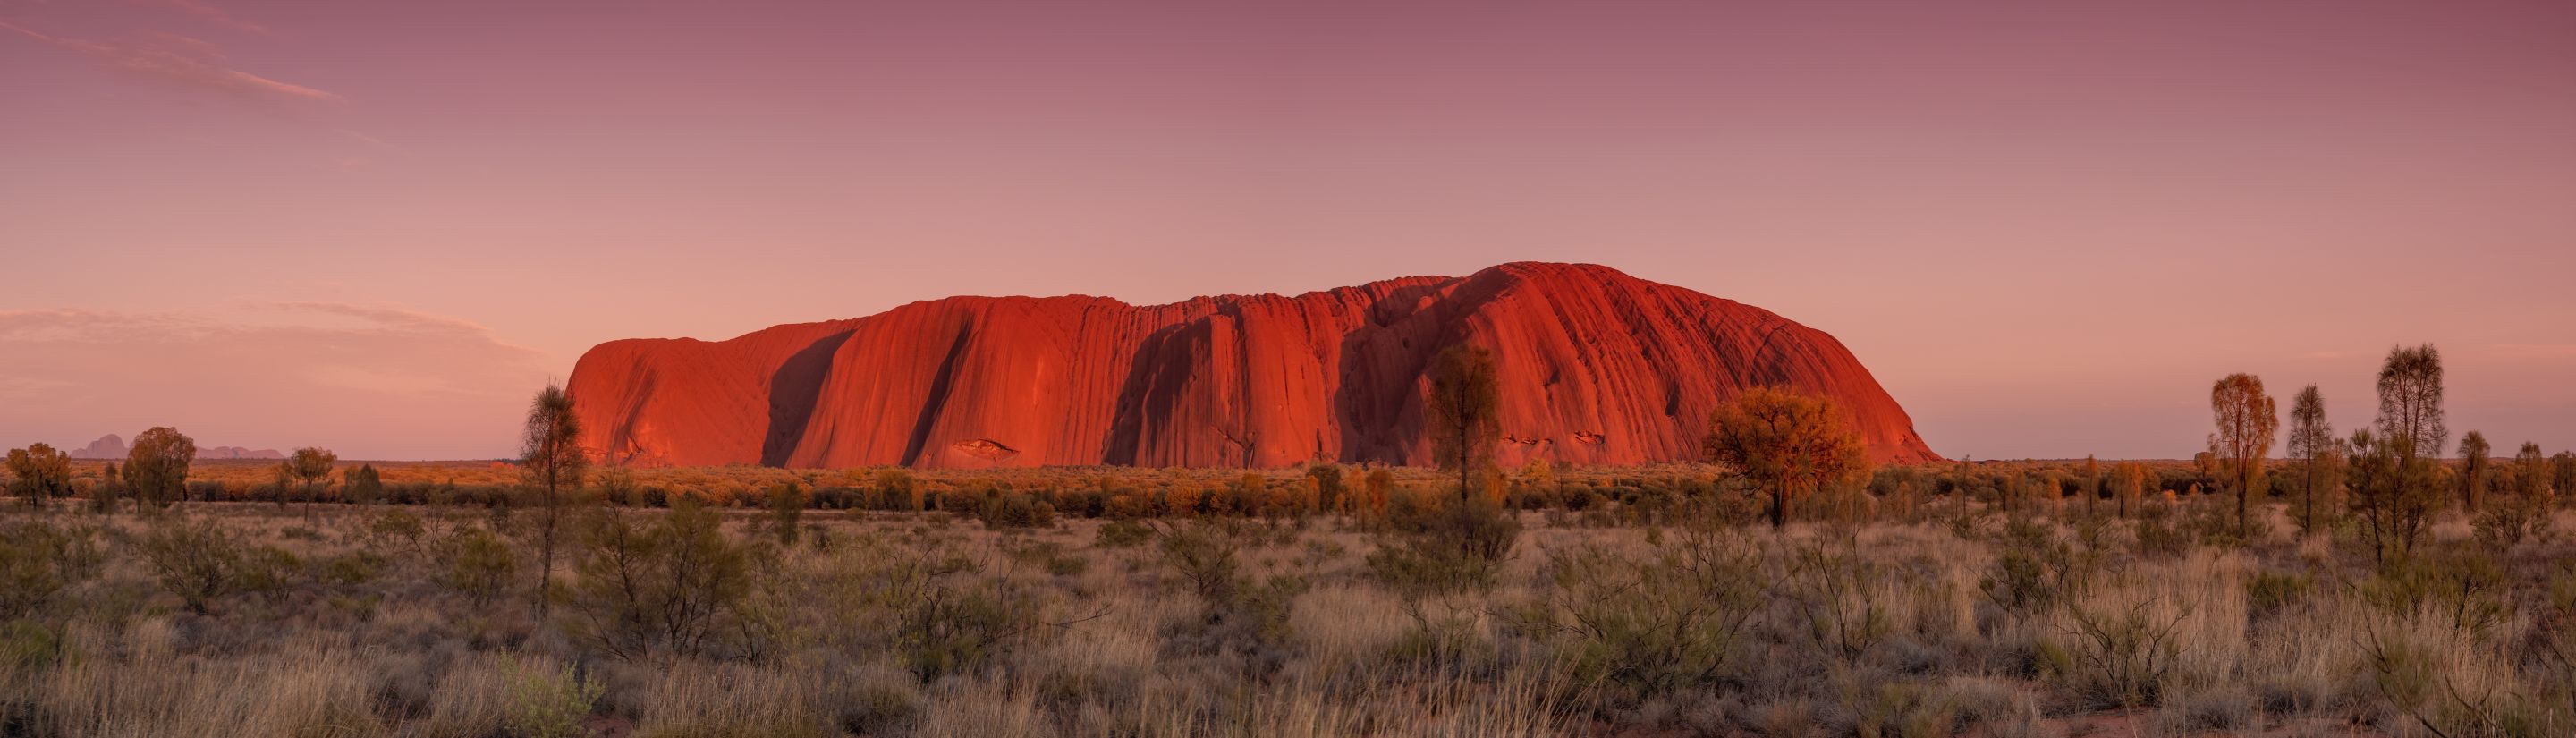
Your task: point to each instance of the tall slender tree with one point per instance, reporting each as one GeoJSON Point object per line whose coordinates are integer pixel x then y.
{"type": "Point", "coordinates": [1792, 443]}
{"type": "Point", "coordinates": [2474, 466]}
{"type": "Point", "coordinates": [363, 485]}
{"type": "Point", "coordinates": [2128, 485]}
{"type": "Point", "coordinates": [552, 460]}
{"type": "Point", "coordinates": [156, 467]}
{"type": "Point", "coordinates": [2092, 483]}
{"type": "Point", "coordinates": [2410, 402]}
{"type": "Point", "coordinates": [2311, 439]}
{"type": "Point", "coordinates": [2247, 422]}
{"type": "Point", "coordinates": [1462, 410]}
{"type": "Point", "coordinates": [2395, 499]}
{"type": "Point", "coordinates": [2562, 476]}
{"type": "Point", "coordinates": [2531, 475]}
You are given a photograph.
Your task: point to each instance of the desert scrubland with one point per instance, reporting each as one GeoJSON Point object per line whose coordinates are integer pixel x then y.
{"type": "Point", "coordinates": [1987, 599]}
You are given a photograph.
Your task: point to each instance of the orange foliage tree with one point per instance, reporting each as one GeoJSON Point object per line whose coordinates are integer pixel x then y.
{"type": "Point", "coordinates": [1791, 443]}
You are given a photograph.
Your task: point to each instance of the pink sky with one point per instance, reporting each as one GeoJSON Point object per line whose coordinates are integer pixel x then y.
{"type": "Point", "coordinates": [2045, 226]}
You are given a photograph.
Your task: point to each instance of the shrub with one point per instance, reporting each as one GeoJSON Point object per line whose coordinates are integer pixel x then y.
{"type": "Point", "coordinates": [2269, 592]}
{"type": "Point", "coordinates": [663, 588]}
{"type": "Point", "coordinates": [1831, 590]}
{"type": "Point", "coordinates": [1456, 547]}
{"type": "Point", "coordinates": [480, 564]}
{"type": "Point", "coordinates": [2034, 570]}
{"type": "Point", "coordinates": [1015, 510]}
{"type": "Point", "coordinates": [1204, 560]}
{"type": "Point", "coordinates": [29, 578]}
{"type": "Point", "coordinates": [548, 703]}
{"type": "Point", "coordinates": [786, 508]}
{"type": "Point", "coordinates": [2504, 524]}
{"type": "Point", "coordinates": [194, 560]}
{"type": "Point", "coordinates": [2124, 651]}
{"type": "Point", "coordinates": [953, 629]}
{"type": "Point", "coordinates": [1122, 534]}
{"type": "Point", "coordinates": [396, 527]}
{"type": "Point", "coordinates": [1646, 628]}
{"type": "Point", "coordinates": [266, 570]}
{"type": "Point", "coordinates": [39, 560]}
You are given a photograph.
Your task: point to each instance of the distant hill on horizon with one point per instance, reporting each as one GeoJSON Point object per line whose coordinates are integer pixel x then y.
{"type": "Point", "coordinates": [111, 447]}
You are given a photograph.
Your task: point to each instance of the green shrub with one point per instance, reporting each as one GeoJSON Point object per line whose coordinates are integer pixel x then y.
{"type": "Point", "coordinates": [786, 509]}
{"type": "Point", "coordinates": [1644, 629]}
{"type": "Point", "coordinates": [2271, 592]}
{"type": "Point", "coordinates": [266, 570]}
{"type": "Point", "coordinates": [28, 578]}
{"type": "Point", "coordinates": [954, 629]}
{"type": "Point", "coordinates": [480, 564]}
{"type": "Point", "coordinates": [1122, 534]}
{"type": "Point", "coordinates": [2034, 570]}
{"type": "Point", "coordinates": [548, 704]}
{"type": "Point", "coordinates": [194, 560]}
{"type": "Point", "coordinates": [1831, 588]}
{"type": "Point", "coordinates": [357, 567]}
{"type": "Point", "coordinates": [1015, 510]}
{"type": "Point", "coordinates": [1454, 548]}
{"type": "Point", "coordinates": [396, 526]}
{"type": "Point", "coordinates": [39, 560]}
{"type": "Point", "coordinates": [671, 587]}
{"type": "Point", "coordinates": [2119, 654]}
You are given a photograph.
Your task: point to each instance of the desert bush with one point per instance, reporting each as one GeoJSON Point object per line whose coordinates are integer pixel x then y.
{"type": "Point", "coordinates": [29, 578]}
{"type": "Point", "coordinates": [2506, 523]}
{"type": "Point", "coordinates": [2464, 587]}
{"type": "Point", "coordinates": [480, 565]}
{"type": "Point", "coordinates": [1048, 556]}
{"type": "Point", "coordinates": [193, 559]}
{"type": "Point", "coordinates": [1014, 510]}
{"type": "Point", "coordinates": [1122, 534]}
{"type": "Point", "coordinates": [2268, 592]}
{"type": "Point", "coordinates": [39, 559]}
{"type": "Point", "coordinates": [1239, 617]}
{"type": "Point", "coordinates": [547, 703]}
{"type": "Point", "coordinates": [396, 527]}
{"type": "Point", "coordinates": [266, 570]}
{"type": "Point", "coordinates": [951, 628]}
{"type": "Point", "coordinates": [786, 509]}
{"type": "Point", "coordinates": [1455, 547]}
{"type": "Point", "coordinates": [1645, 627]}
{"type": "Point", "coordinates": [1835, 591]}
{"type": "Point", "coordinates": [2122, 650]}
{"type": "Point", "coordinates": [2034, 570]}
{"type": "Point", "coordinates": [662, 588]}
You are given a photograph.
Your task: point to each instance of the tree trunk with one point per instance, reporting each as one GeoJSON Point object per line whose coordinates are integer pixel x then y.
{"type": "Point", "coordinates": [546, 546]}
{"type": "Point", "coordinates": [1780, 506]}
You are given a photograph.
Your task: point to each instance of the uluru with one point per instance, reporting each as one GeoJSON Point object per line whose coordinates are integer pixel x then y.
{"type": "Point", "coordinates": [1596, 367]}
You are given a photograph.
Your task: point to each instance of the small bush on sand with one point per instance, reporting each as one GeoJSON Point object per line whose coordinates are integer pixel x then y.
{"type": "Point", "coordinates": [480, 565]}
{"type": "Point", "coordinates": [1122, 534]}
{"type": "Point", "coordinates": [548, 703]}
{"type": "Point", "coordinates": [1646, 627]}
{"type": "Point", "coordinates": [192, 559]}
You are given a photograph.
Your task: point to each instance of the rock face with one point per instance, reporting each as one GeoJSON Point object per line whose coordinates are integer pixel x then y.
{"type": "Point", "coordinates": [1597, 367]}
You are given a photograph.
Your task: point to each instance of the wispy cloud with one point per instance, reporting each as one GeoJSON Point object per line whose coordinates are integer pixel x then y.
{"type": "Point", "coordinates": [209, 13]}
{"type": "Point", "coordinates": [181, 60]}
